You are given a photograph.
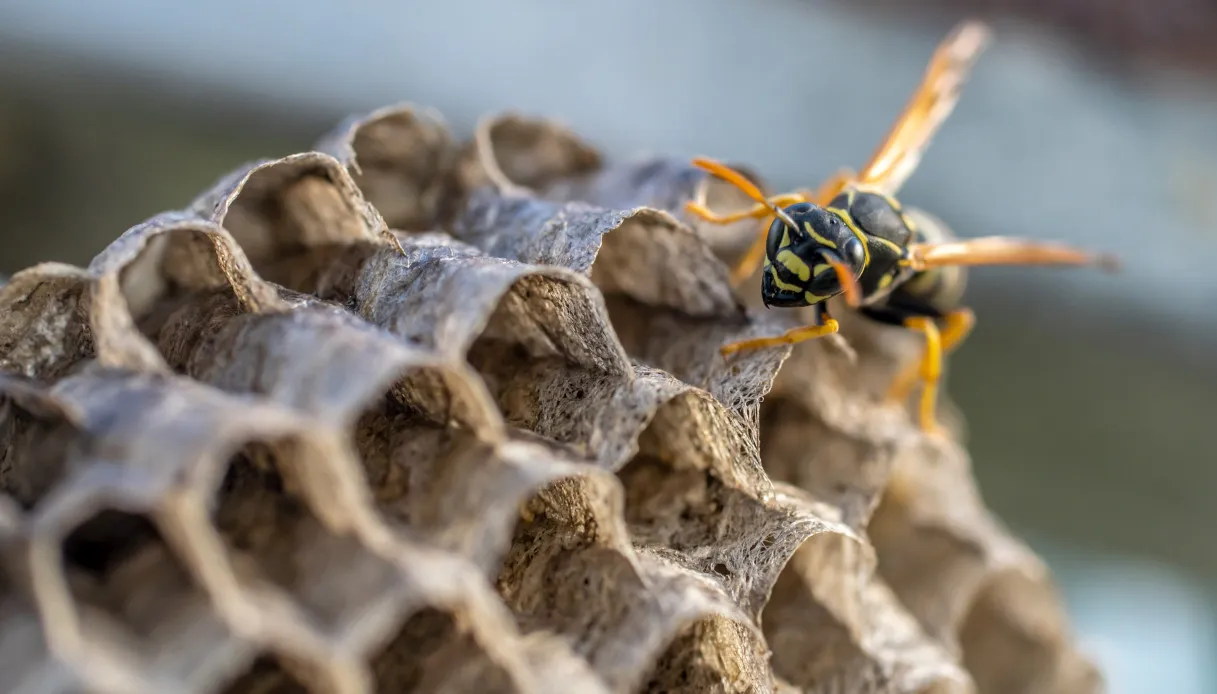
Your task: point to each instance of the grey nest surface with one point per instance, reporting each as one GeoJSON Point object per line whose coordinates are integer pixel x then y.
{"type": "Point", "coordinates": [408, 413]}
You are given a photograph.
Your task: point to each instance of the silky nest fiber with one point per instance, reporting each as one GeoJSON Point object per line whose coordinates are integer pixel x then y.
{"type": "Point", "coordinates": [412, 413]}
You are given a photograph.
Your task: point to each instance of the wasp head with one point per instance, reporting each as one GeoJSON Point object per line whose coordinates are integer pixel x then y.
{"type": "Point", "coordinates": [813, 256]}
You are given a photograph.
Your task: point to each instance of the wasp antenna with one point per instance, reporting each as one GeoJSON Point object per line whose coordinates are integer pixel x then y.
{"type": "Point", "coordinates": [849, 283]}
{"type": "Point", "coordinates": [732, 176]}
{"type": "Point", "coordinates": [739, 181]}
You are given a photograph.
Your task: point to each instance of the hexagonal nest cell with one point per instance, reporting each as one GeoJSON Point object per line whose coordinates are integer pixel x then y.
{"type": "Point", "coordinates": [415, 414]}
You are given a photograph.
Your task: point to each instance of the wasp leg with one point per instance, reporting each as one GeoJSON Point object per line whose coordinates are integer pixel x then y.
{"type": "Point", "coordinates": [887, 314]}
{"type": "Point", "coordinates": [930, 370]}
{"type": "Point", "coordinates": [827, 325]}
{"type": "Point", "coordinates": [763, 204]}
{"type": "Point", "coordinates": [959, 324]}
{"type": "Point", "coordinates": [755, 212]}
{"type": "Point", "coordinates": [763, 208]}
{"type": "Point", "coordinates": [903, 384]}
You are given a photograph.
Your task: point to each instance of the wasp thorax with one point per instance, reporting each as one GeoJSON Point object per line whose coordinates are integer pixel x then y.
{"type": "Point", "coordinates": [799, 269]}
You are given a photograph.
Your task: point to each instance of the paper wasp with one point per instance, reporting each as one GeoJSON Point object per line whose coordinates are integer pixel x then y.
{"type": "Point", "coordinates": [852, 237]}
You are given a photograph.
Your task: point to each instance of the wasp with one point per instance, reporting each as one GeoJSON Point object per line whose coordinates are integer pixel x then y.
{"type": "Point", "coordinates": [852, 237]}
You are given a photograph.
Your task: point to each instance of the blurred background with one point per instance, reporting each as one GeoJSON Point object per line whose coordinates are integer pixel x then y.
{"type": "Point", "coordinates": [1091, 399]}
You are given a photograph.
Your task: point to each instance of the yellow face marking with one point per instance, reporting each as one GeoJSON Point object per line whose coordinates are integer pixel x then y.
{"type": "Point", "coordinates": [853, 227]}
{"type": "Point", "coordinates": [785, 237]}
{"type": "Point", "coordinates": [813, 298]}
{"type": "Point", "coordinates": [794, 263]}
{"type": "Point", "coordinates": [820, 269]}
{"type": "Point", "coordinates": [812, 232]}
{"type": "Point", "coordinates": [885, 280]}
{"type": "Point", "coordinates": [773, 272]}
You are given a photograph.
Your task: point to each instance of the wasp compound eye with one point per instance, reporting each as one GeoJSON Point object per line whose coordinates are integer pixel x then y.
{"type": "Point", "coordinates": [854, 254]}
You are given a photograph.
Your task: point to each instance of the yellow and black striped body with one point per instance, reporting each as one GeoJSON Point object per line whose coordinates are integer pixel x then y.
{"type": "Point", "coordinates": [870, 232]}
{"type": "Point", "coordinates": [888, 231]}
{"type": "Point", "coordinates": [932, 293]}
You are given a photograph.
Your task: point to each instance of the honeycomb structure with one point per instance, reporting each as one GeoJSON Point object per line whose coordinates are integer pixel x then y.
{"type": "Point", "coordinates": [408, 413]}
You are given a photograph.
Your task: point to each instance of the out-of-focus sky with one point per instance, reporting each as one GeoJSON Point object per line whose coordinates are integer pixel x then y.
{"type": "Point", "coordinates": [1090, 398]}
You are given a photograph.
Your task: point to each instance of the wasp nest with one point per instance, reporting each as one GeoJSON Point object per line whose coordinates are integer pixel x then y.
{"type": "Point", "coordinates": [411, 414]}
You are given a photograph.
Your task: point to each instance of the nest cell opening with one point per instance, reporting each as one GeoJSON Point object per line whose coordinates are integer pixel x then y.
{"type": "Point", "coordinates": [444, 484]}
{"type": "Point", "coordinates": [272, 536]}
{"type": "Point", "coordinates": [811, 617]}
{"type": "Point", "coordinates": [798, 447]}
{"type": "Point", "coordinates": [169, 273]}
{"type": "Point", "coordinates": [266, 676]}
{"type": "Point", "coordinates": [403, 162]}
{"type": "Point", "coordinates": [432, 396]}
{"type": "Point", "coordinates": [535, 153]}
{"type": "Point", "coordinates": [412, 463]}
{"type": "Point", "coordinates": [126, 582]}
{"type": "Point", "coordinates": [558, 577]}
{"type": "Point", "coordinates": [291, 220]}
{"type": "Point", "coordinates": [34, 451]}
{"type": "Point", "coordinates": [379, 435]}
{"type": "Point", "coordinates": [674, 507]}
{"type": "Point", "coordinates": [713, 654]}
{"type": "Point", "coordinates": [675, 491]}
{"type": "Point", "coordinates": [436, 649]}
{"type": "Point", "coordinates": [548, 318]}
{"type": "Point", "coordinates": [549, 359]}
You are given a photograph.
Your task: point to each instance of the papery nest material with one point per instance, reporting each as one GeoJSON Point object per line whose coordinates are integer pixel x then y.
{"type": "Point", "coordinates": [414, 414]}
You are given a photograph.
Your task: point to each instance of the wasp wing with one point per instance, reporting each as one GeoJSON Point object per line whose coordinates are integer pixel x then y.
{"type": "Point", "coordinates": [901, 150]}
